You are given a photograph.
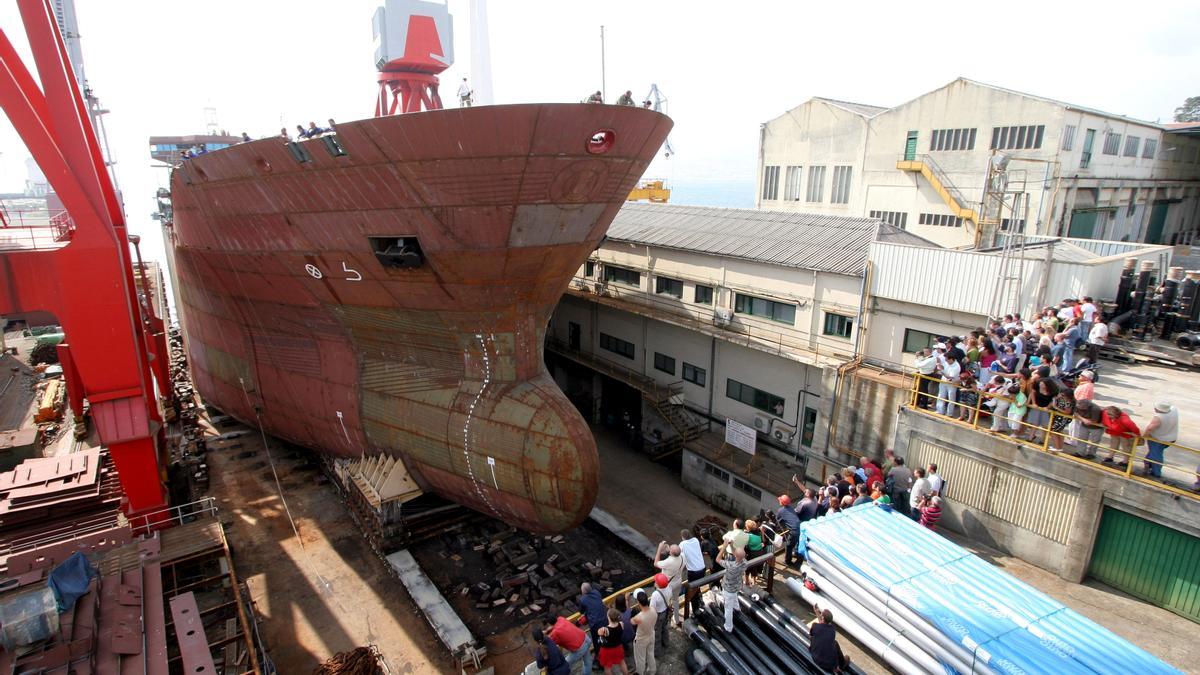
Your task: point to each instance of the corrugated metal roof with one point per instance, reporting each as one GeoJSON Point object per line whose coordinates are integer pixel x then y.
{"type": "Point", "coordinates": [805, 240]}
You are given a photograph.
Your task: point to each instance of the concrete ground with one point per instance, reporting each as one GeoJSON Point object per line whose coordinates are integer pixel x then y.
{"type": "Point", "coordinates": [320, 589]}
{"type": "Point", "coordinates": [1136, 387]}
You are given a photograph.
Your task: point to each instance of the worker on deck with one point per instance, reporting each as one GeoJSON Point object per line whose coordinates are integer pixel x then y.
{"type": "Point", "coordinates": [596, 97]}
{"type": "Point", "coordinates": [464, 94]}
{"type": "Point", "coordinates": [823, 644]}
{"type": "Point", "coordinates": [626, 98]}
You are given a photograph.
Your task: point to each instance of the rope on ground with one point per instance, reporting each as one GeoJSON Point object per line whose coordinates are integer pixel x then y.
{"type": "Point", "coordinates": [359, 661]}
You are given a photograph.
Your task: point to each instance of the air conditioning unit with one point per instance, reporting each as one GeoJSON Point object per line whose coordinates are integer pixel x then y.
{"type": "Point", "coordinates": [782, 431]}
{"type": "Point", "coordinates": [762, 423]}
{"type": "Point", "coordinates": [598, 288]}
{"type": "Point", "coordinates": [722, 316]}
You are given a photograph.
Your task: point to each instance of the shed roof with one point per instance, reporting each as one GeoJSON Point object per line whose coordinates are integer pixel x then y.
{"type": "Point", "coordinates": [812, 241]}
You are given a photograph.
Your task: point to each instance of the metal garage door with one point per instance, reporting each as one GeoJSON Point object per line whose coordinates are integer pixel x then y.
{"type": "Point", "coordinates": [1145, 559]}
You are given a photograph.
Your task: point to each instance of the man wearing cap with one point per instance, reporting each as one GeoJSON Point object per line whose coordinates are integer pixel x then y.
{"type": "Point", "coordinates": [787, 517]}
{"type": "Point", "coordinates": [658, 602]}
{"type": "Point", "coordinates": [1162, 429]}
{"type": "Point", "coordinates": [672, 569]}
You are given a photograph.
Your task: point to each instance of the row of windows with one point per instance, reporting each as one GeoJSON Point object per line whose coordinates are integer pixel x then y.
{"type": "Point", "coordinates": [952, 139]}
{"type": "Point", "coordinates": [1027, 137]}
{"type": "Point", "coordinates": [939, 219]}
{"type": "Point", "coordinates": [622, 275]}
{"type": "Point", "coordinates": [617, 346]}
{"type": "Point", "coordinates": [1112, 144]}
{"type": "Point", "coordinates": [770, 309]}
{"type": "Point", "coordinates": [754, 397]}
{"type": "Point", "coordinates": [694, 374]}
{"type": "Point", "coordinates": [815, 188]}
{"type": "Point", "coordinates": [897, 218]}
{"type": "Point", "coordinates": [1007, 224]}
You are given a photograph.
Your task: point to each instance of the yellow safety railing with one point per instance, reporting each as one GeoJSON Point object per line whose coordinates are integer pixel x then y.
{"type": "Point", "coordinates": [1123, 452]}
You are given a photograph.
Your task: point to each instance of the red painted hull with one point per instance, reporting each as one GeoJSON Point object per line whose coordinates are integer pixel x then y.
{"type": "Point", "coordinates": [287, 311]}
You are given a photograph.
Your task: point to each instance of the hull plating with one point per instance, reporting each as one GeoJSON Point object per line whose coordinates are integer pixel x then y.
{"type": "Point", "coordinates": [289, 315]}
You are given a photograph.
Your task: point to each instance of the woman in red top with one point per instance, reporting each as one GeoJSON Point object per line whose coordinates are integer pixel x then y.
{"type": "Point", "coordinates": [1122, 433]}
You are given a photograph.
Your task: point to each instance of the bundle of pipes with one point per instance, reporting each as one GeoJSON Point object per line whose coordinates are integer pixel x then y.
{"type": "Point", "coordinates": [926, 605]}
{"type": "Point", "coordinates": [767, 639]}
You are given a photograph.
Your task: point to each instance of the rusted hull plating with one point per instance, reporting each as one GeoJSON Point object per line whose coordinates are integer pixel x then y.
{"type": "Point", "coordinates": [287, 311]}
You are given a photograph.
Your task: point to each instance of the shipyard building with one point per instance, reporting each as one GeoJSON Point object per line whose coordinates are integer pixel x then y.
{"type": "Point", "coordinates": [928, 166]}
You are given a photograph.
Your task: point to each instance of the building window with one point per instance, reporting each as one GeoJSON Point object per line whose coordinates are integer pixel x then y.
{"type": "Point", "coordinates": [589, 269]}
{"type": "Point", "coordinates": [742, 486]}
{"type": "Point", "coordinates": [939, 219]}
{"type": "Point", "coordinates": [1150, 148]}
{"type": "Point", "coordinates": [1132, 202]}
{"type": "Point", "coordinates": [791, 185]}
{"type": "Point", "coordinates": [770, 191]}
{"type": "Point", "coordinates": [694, 374]}
{"type": "Point", "coordinates": [1018, 138]}
{"type": "Point", "coordinates": [916, 340]}
{"type": "Point", "coordinates": [714, 470]}
{"type": "Point", "coordinates": [668, 286]}
{"type": "Point", "coordinates": [1112, 143]}
{"type": "Point", "coordinates": [816, 184]}
{"type": "Point", "coordinates": [838, 325]}
{"type": "Point", "coordinates": [1131, 146]}
{"type": "Point", "coordinates": [810, 427]}
{"type": "Point", "coordinates": [952, 139]}
{"type": "Point", "coordinates": [841, 185]}
{"type": "Point", "coordinates": [755, 306]}
{"type": "Point", "coordinates": [755, 398]}
{"type": "Point", "coordinates": [623, 276]}
{"type": "Point", "coordinates": [1085, 157]}
{"type": "Point", "coordinates": [704, 294]}
{"type": "Point", "coordinates": [1007, 224]}
{"type": "Point", "coordinates": [1068, 137]}
{"type": "Point", "coordinates": [664, 363]}
{"type": "Point", "coordinates": [897, 218]}
{"type": "Point", "coordinates": [616, 345]}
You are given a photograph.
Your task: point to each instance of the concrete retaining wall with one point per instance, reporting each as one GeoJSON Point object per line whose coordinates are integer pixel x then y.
{"type": "Point", "coordinates": [1028, 503]}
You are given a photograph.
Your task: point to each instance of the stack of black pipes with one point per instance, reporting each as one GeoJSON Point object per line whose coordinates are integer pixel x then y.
{"type": "Point", "coordinates": [767, 639]}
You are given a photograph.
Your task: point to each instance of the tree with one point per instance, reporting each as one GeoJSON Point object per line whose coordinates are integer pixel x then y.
{"type": "Point", "coordinates": [1189, 111]}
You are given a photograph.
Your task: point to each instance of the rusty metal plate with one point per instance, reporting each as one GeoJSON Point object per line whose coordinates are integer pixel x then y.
{"type": "Point", "coordinates": [189, 633]}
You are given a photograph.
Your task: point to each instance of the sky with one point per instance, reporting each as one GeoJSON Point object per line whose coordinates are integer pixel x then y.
{"type": "Point", "coordinates": [724, 67]}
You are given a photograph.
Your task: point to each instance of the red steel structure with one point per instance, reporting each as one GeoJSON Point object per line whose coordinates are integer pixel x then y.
{"type": "Point", "coordinates": [86, 277]}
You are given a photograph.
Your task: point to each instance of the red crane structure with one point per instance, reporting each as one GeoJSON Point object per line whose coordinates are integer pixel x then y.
{"type": "Point", "coordinates": [415, 42]}
{"type": "Point", "coordinates": [81, 270]}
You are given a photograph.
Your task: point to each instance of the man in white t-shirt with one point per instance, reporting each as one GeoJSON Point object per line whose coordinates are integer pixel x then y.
{"type": "Point", "coordinates": [1097, 338]}
{"type": "Point", "coordinates": [1088, 312]}
{"type": "Point", "coordinates": [920, 489]}
{"type": "Point", "coordinates": [464, 94]}
{"type": "Point", "coordinates": [693, 563]}
{"type": "Point", "coordinates": [935, 479]}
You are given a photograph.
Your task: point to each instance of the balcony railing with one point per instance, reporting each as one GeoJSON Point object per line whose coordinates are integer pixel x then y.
{"type": "Point", "coordinates": [34, 230]}
{"type": "Point", "coordinates": [1054, 435]}
{"type": "Point", "coordinates": [738, 329]}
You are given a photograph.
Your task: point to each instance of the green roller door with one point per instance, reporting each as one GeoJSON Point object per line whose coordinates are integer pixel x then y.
{"type": "Point", "coordinates": [1150, 561]}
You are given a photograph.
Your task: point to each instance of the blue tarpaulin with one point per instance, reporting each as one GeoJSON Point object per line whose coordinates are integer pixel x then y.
{"type": "Point", "coordinates": [1008, 624]}
{"type": "Point", "coordinates": [70, 580]}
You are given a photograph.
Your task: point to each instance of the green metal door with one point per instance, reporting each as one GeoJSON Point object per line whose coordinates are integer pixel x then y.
{"type": "Point", "coordinates": [1083, 224]}
{"type": "Point", "coordinates": [1148, 560]}
{"type": "Point", "coordinates": [1158, 218]}
{"type": "Point", "coordinates": [910, 147]}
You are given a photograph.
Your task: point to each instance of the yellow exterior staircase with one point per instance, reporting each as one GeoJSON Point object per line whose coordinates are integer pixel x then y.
{"type": "Point", "coordinates": [938, 180]}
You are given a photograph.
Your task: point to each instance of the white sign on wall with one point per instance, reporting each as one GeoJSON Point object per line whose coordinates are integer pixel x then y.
{"type": "Point", "coordinates": [740, 436]}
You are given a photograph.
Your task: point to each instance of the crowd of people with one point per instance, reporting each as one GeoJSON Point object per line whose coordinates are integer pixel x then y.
{"type": "Point", "coordinates": [637, 625]}
{"type": "Point", "coordinates": [1022, 378]}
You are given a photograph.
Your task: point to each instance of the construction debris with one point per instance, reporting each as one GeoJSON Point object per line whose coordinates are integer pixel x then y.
{"type": "Point", "coordinates": [359, 661]}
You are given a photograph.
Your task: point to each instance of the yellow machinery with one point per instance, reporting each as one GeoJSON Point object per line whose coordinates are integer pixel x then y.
{"type": "Point", "coordinates": [650, 190]}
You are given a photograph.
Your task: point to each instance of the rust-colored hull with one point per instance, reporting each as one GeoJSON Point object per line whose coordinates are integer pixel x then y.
{"type": "Point", "coordinates": [287, 311]}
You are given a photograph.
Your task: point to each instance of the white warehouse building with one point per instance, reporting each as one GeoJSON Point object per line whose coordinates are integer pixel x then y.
{"type": "Point", "coordinates": [1064, 170]}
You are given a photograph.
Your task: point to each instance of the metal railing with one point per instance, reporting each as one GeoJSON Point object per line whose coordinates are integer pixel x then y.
{"type": "Point", "coordinates": [35, 230]}
{"type": "Point", "coordinates": [742, 329]}
{"type": "Point", "coordinates": [174, 515]}
{"type": "Point", "coordinates": [1052, 436]}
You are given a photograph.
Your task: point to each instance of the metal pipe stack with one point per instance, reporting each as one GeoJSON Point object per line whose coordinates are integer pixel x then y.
{"type": "Point", "coordinates": [1167, 303]}
{"type": "Point", "coordinates": [1125, 286]}
{"type": "Point", "coordinates": [767, 639]}
{"type": "Point", "coordinates": [926, 605]}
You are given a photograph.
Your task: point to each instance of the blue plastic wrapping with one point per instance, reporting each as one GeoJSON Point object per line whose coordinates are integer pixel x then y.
{"type": "Point", "coordinates": [1004, 622]}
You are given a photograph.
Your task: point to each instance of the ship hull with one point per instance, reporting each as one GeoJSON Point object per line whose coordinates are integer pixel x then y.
{"type": "Point", "coordinates": [292, 319]}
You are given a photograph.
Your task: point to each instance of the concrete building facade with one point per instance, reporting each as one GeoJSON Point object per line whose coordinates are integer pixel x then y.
{"type": "Point", "coordinates": [1064, 170]}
